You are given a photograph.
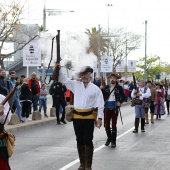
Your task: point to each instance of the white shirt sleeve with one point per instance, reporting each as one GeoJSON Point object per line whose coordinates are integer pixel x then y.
{"type": "Point", "coordinates": [6, 108]}
{"type": "Point", "coordinates": [99, 103]}
{"type": "Point", "coordinates": [147, 94]}
{"type": "Point", "coordinates": [132, 94]}
{"type": "Point", "coordinates": [70, 84]}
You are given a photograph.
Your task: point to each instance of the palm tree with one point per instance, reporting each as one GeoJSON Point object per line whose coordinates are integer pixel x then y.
{"type": "Point", "coordinates": [98, 45]}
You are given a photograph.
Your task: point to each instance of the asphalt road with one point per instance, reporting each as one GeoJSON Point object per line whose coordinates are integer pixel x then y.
{"type": "Point", "coordinates": [53, 146]}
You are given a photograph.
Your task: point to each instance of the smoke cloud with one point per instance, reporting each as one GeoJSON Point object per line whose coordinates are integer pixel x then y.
{"type": "Point", "coordinates": [73, 51]}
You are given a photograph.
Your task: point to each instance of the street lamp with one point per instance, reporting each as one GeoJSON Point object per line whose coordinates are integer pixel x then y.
{"type": "Point", "coordinates": [126, 65]}
{"type": "Point", "coordinates": [50, 12]}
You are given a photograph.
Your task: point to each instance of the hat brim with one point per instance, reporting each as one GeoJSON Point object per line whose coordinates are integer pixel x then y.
{"type": "Point", "coordinates": [115, 75]}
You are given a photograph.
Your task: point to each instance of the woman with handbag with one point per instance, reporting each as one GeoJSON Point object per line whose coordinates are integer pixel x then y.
{"type": "Point", "coordinates": [4, 158]}
{"type": "Point", "coordinates": [26, 100]}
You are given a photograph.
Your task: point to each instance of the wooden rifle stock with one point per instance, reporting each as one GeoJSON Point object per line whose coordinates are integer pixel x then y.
{"type": "Point", "coordinates": [134, 81]}
{"type": "Point", "coordinates": [135, 87]}
{"type": "Point", "coordinates": [56, 70]}
{"type": "Point", "coordinates": [10, 94]}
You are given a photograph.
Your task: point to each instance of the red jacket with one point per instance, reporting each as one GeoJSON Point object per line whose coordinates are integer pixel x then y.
{"type": "Point", "coordinates": [30, 85]}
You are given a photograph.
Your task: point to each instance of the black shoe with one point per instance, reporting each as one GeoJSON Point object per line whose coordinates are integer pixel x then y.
{"type": "Point", "coordinates": [63, 121]}
{"type": "Point", "coordinates": [107, 142]}
{"type": "Point", "coordinates": [142, 130]}
{"type": "Point", "coordinates": [113, 145]}
{"type": "Point", "coordinates": [135, 131]}
{"type": "Point", "coordinates": [45, 115]}
{"type": "Point", "coordinates": [58, 123]}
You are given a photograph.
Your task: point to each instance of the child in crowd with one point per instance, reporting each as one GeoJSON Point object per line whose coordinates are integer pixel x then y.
{"type": "Point", "coordinates": [43, 99]}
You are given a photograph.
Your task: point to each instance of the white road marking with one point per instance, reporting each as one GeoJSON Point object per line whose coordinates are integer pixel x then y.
{"type": "Point", "coordinates": [97, 149]}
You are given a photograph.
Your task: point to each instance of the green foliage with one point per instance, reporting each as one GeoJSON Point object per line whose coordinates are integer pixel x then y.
{"type": "Point", "coordinates": [152, 67]}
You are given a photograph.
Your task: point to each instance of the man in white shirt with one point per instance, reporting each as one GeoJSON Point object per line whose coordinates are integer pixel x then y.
{"type": "Point", "coordinates": [87, 96]}
{"type": "Point", "coordinates": [140, 94]}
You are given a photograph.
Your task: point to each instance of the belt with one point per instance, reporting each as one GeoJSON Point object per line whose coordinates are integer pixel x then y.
{"type": "Point", "coordinates": [83, 113]}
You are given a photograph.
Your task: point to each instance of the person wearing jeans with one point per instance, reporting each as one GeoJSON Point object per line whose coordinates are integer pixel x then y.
{"type": "Point", "coordinates": [43, 99]}
{"type": "Point", "coordinates": [15, 99]}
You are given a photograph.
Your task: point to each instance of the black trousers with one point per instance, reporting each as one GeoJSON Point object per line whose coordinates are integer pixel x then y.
{"type": "Point", "coordinates": [57, 103]}
{"type": "Point", "coordinates": [26, 106]}
{"type": "Point", "coordinates": [84, 129]}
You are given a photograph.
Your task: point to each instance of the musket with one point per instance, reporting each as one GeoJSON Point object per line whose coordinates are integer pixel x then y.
{"type": "Point", "coordinates": [56, 70]}
{"type": "Point", "coordinates": [9, 96]}
{"type": "Point", "coordinates": [135, 87]}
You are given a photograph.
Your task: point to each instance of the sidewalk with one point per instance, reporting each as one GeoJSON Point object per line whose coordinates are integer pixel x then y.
{"type": "Point", "coordinates": [33, 123]}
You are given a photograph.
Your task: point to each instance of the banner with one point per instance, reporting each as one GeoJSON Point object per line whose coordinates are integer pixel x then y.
{"type": "Point", "coordinates": [32, 54]}
{"type": "Point", "coordinates": [131, 65]}
{"type": "Point", "coordinates": [120, 67]}
{"type": "Point", "coordinates": [106, 64]}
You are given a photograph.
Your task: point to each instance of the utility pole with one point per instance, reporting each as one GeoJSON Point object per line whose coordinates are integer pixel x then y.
{"type": "Point", "coordinates": [44, 30]}
{"type": "Point", "coordinates": [126, 62]}
{"type": "Point", "coordinates": [145, 49]}
{"type": "Point", "coordinates": [98, 65]}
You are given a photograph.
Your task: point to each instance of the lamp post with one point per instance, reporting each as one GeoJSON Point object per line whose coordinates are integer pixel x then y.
{"type": "Point", "coordinates": [126, 53]}
{"type": "Point", "coordinates": [50, 12]}
{"type": "Point", "coordinates": [145, 49]}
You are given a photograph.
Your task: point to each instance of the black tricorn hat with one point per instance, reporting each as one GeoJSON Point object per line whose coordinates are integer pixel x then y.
{"type": "Point", "coordinates": [85, 69]}
{"type": "Point", "coordinates": [118, 76]}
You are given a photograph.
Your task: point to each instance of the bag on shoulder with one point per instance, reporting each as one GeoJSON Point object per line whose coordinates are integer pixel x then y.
{"type": "Point", "coordinates": [10, 143]}
{"type": "Point", "coordinates": [69, 112]}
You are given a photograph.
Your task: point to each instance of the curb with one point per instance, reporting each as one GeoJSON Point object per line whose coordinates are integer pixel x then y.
{"type": "Point", "coordinates": [31, 124]}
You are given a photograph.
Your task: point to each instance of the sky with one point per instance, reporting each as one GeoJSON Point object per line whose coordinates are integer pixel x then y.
{"type": "Point", "coordinates": [130, 14]}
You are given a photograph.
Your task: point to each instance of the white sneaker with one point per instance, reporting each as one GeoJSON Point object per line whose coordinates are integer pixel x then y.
{"type": "Point", "coordinates": [24, 118]}
{"type": "Point", "coordinates": [28, 119]}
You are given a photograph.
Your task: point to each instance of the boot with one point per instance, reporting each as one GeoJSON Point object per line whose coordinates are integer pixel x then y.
{"type": "Point", "coordinates": [63, 117]}
{"type": "Point", "coordinates": [88, 157]}
{"type": "Point", "coordinates": [142, 124]}
{"type": "Point", "coordinates": [152, 115]}
{"type": "Point", "coordinates": [113, 142]}
{"type": "Point", "coordinates": [81, 152]}
{"type": "Point", "coordinates": [136, 125]}
{"type": "Point", "coordinates": [146, 118]}
{"type": "Point", "coordinates": [108, 132]}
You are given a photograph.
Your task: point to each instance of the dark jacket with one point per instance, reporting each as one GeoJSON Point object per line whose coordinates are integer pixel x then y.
{"type": "Point", "coordinates": [25, 93]}
{"type": "Point", "coordinates": [57, 90]}
{"type": "Point", "coordinates": [4, 86]}
{"type": "Point", "coordinates": [119, 93]}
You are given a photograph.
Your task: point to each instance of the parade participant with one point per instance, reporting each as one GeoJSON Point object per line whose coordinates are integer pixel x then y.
{"type": "Point", "coordinates": [152, 100]}
{"type": "Point", "coordinates": [139, 94]}
{"type": "Point", "coordinates": [114, 96]}
{"type": "Point", "coordinates": [4, 158]}
{"type": "Point", "coordinates": [159, 102]}
{"type": "Point", "coordinates": [57, 90]}
{"type": "Point", "coordinates": [87, 96]}
{"type": "Point", "coordinates": [167, 98]}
